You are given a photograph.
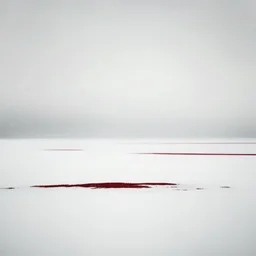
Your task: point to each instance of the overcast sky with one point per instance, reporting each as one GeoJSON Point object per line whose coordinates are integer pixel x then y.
{"type": "Point", "coordinates": [127, 68]}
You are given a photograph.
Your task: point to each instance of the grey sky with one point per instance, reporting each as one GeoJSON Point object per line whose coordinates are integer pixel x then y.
{"type": "Point", "coordinates": [91, 68]}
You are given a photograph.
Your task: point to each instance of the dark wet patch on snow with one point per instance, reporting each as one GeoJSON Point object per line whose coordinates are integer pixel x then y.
{"type": "Point", "coordinates": [225, 187]}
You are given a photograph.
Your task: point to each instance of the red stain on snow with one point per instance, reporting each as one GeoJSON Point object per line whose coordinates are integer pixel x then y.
{"type": "Point", "coordinates": [119, 185]}
{"type": "Point", "coordinates": [108, 185]}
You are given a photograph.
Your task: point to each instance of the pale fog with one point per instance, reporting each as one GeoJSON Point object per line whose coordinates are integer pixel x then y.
{"type": "Point", "coordinates": [127, 68]}
{"type": "Point", "coordinates": [96, 82]}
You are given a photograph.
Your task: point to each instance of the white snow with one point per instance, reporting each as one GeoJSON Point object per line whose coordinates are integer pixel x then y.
{"type": "Point", "coordinates": [77, 221]}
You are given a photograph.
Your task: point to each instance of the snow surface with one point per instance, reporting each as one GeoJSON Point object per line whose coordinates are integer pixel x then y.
{"type": "Point", "coordinates": [78, 221]}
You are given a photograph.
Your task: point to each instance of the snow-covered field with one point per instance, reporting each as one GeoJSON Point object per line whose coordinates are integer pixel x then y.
{"type": "Point", "coordinates": [155, 221]}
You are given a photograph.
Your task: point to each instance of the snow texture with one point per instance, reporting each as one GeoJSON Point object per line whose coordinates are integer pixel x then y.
{"type": "Point", "coordinates": [157, 221]}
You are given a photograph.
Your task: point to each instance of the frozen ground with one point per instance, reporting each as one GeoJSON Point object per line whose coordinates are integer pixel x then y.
{"type": "Point", "coordinates": [159, 221]}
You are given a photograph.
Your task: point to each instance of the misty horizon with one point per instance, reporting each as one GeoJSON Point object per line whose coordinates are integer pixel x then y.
{"type": "Point", "coordinates": [28, 127]}
{"type": "Point", "coordinates": [127, 69]}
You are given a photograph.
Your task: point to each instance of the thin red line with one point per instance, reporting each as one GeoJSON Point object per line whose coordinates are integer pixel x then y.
{"type": "Point", "coordinates": [63, 149]}
{"type": "Point", "coordinates": [195, 154]}
{"type": "Point", "coordinates": [194, 143]}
